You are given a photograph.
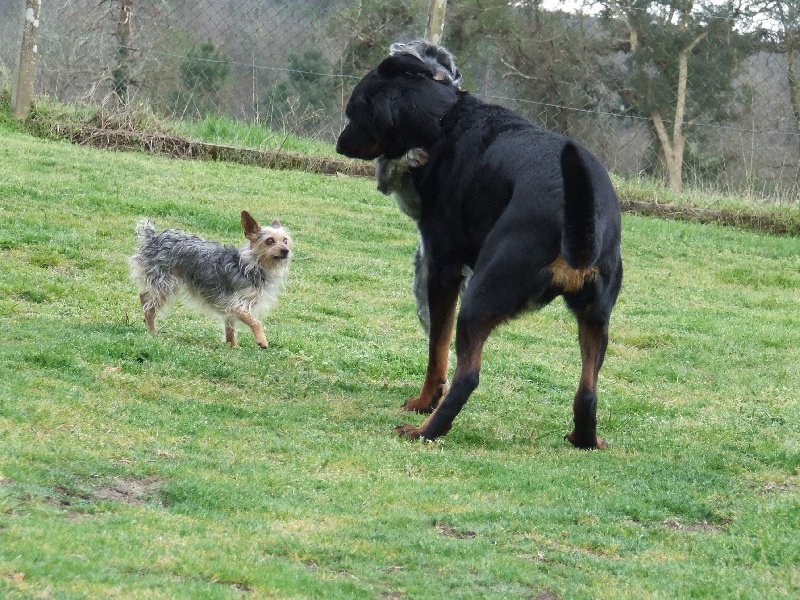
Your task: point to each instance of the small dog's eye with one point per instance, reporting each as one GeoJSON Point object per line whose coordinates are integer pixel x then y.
{"type": "Point", "coordinates": [285, 240]}
{"type": "Point", "coordinates": [269, 241]}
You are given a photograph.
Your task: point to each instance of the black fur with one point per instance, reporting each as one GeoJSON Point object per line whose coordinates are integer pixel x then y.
{"type": "Point", "coordinates": [532, 214]}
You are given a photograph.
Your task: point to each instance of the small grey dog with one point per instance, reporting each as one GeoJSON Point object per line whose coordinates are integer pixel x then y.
{"type": "Point", "coordinates": [234, 284]}
{"type": "Point", "coordinates": [395, 177]}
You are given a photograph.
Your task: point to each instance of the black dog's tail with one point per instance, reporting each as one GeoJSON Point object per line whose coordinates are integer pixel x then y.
{"type": "Point", "coordinates": [579, 243]}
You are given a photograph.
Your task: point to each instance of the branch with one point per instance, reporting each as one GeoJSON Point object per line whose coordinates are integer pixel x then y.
{"type": "Point", "coordinates": [515, 70]}
{"type": "Point", "coordinates": [663, 135]}
{"type": "Point", "coordinates": [626, 18]}
{"type": "Point", "coordinates": [683, 79]}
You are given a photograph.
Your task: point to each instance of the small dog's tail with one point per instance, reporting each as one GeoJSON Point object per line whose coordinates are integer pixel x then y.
{"type": "Point", "coordinates": [580, 242]}
{"type": "Point", "coordinates": [145, 231]}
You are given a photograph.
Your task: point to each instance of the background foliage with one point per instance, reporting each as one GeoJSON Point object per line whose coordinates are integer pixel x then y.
{"type": "Point", "coordinates": [607, 73]}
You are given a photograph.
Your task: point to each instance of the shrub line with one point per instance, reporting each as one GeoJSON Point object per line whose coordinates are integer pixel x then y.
{"type": "Point", "coordinates": [772, 224]}
{"type": "Point", "coordinates": [178, 147]}
{"type": "Point", "coordinates": [183, 148]}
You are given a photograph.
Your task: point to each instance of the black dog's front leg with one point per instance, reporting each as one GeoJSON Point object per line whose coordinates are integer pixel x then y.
{"type": "Point", "coordinates": [441, 420]}
{"type": "Point", "coordinates": [442, 300]}
{"type": "Point", "coordinates": [470, 339]}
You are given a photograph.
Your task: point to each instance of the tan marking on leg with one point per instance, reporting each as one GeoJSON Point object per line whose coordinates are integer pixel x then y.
{"type": "Point", "coordinates": [469, 350]}
{"type": "Point", "coordinates": [230, 334]}
{"type": "Point", "coordinates": [435, 386]}
{"type": "Point", "coordinates": [149, 311]}
{"type": "Point", "coordinates": [593, 343]}
{"type": "Point", "coordinates": [254, 324]}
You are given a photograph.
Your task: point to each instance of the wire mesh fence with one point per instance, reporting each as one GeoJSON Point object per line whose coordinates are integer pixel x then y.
{"type": "Point", "coordinates": [704, 92]}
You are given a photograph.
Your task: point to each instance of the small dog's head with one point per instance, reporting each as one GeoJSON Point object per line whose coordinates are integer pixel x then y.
{"type": "Point", "coordinates": [399, 105]}
{"type": "Point", "coordinates": [271, 244]}
{"type": "Point", "coordinates": [439, 59]}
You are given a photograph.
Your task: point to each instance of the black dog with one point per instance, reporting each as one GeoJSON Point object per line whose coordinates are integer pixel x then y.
{"type": "Point", "coordinates": [533, 215]}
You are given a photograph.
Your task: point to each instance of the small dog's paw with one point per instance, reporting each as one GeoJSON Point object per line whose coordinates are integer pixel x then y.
{"type": "Point", "coordinates": [263, 345]}
{"type": "Point", "coordinates": [416, 157]}
{"type": "Point", "coordinates": [408, 431]}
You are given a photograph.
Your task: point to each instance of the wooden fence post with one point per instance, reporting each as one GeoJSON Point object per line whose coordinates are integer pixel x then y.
{"type": "Point", "coordinates": [434, 31]}
{"type": "Point", "coordinates": [23, 91]}
{"type": "Point", "coordinates": [120, 74]}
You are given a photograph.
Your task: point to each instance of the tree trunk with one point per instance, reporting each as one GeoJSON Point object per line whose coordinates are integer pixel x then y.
{"type": "Point", "coordinates": [672, 150]}
{"type": "Point", "coordinates": [434, 32]}
{"type": "Point", "coordinates": [673, 145]}
{"type": "Point", "coordinates": [23, 92]}
{"type": "Point", "coordinates": [792, 77]}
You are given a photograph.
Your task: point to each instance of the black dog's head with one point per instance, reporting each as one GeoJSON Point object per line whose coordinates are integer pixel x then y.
{"type": "Point", "coordinates": [396, 107]}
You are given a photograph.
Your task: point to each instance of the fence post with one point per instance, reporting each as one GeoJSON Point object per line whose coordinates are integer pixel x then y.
{"type": "Point", "coordinates": [121, 74]}
{"type": "Point", "coordinates": [434, 31]}
{"type": "Point", "coordinates": [23, 91]}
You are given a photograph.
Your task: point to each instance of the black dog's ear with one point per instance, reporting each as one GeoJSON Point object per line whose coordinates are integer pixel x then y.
{"type": "Point", "coordinates": [404, 64]}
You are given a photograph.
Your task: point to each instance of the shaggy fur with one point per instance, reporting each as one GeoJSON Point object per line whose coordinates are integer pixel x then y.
{"type": "Point", "coordinates": [233, 284]}
{"type": "Point", "coordinates": [531, 214]}
{"type": "Point", "coordinates": [395, 178]}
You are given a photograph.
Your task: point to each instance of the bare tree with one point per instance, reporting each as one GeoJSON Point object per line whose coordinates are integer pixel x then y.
{"type": "Point", "coordinates": [121, 72]}
{"type": "Point", "coordinates": [681, 61]}
{"type": "Point", "coordinates": [786, 13]}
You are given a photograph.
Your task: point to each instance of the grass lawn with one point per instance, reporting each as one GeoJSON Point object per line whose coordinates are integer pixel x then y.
{"type": "Point", "coordinates": [172, 466]}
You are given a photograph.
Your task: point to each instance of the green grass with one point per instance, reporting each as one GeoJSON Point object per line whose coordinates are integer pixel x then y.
{"type": "Point", "coordinates": [172, 466]}
{"type": "Point", "coordinates": [244, 134]}
{"type": "Point", "coordinates": [752, 199]}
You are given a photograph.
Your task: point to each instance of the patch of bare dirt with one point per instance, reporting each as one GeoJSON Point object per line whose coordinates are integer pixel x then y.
{"type": "Point", "coordinates": [449, 531]}
{"type": "Point", "coordinates": [129, 490]}
{"type": "Point", "coordinates": [703, 527]}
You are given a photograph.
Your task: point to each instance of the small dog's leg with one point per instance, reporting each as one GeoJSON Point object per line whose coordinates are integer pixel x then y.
{"type": "Point", "coordinates": [420, 285]}
{"type": "Point", "coordinates": [593, 338]}
{"type": "Point", "coordinates": [254, 324]}
{"type": "Point", "coordinates": [230, 333]}
{"type": "Point", "coordinates": [149, 309]}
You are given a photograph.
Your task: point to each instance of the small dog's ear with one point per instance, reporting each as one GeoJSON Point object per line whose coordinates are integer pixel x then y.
{"type": "Point", "coordinates": [249, 225]}
{"type": "Point", "coordinates": [276, 224]}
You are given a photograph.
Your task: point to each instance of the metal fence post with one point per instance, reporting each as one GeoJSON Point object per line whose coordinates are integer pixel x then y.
{"type": "Point", "coordinates": [434, 31]}
{"type": "Point", "coordinates": [23, 92]}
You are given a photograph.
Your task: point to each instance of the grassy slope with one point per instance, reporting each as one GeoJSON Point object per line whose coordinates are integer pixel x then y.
{"type": "Point", "coordinates": [173, 466]}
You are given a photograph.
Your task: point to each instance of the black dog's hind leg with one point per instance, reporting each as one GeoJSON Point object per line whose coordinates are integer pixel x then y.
{"type": "Point", "coordinates": [593, 339]}
{"type": "Point", "coordinates": [592, 308]}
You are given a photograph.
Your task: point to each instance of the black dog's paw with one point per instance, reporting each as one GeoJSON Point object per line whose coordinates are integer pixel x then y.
{"type": "Point", "coordinates": [584, 444]}
{"type": "Point", "coordinates": [418, 406]}
{"type": "Point", "coordinates": [408, 431]}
